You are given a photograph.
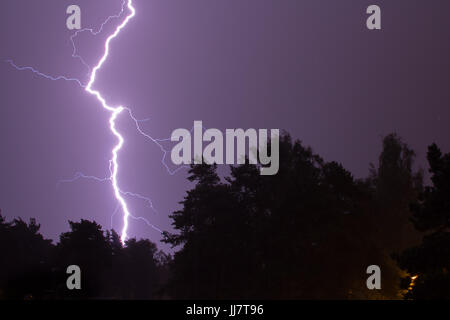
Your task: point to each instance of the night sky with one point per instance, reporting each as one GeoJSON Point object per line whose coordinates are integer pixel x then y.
{"type": "Point", "coordinates": [311, 68]}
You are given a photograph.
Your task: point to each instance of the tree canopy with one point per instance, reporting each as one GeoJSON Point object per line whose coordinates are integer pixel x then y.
{"type": "Point", "coordinates": [308, 232]}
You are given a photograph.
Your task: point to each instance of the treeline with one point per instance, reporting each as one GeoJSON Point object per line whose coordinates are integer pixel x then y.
{"type": "Point", "coordinates": [32, 267]}
{"type": "Point", "coordinates": [309, 232]}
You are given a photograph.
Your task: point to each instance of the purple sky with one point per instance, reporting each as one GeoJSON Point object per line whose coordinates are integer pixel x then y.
{"type": "Point", "coordinates": [309, 67]}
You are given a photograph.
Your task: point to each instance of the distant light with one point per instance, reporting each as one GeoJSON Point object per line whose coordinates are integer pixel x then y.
{"type": "Point", "coordinates": [412, 283]}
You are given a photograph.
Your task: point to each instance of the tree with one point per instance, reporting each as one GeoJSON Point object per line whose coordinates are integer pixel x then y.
{"type": "Point", "coordinates": [26, 259]}
{"type": "Point", "coordinates": [140, 269]}
{"type": "Point", "coordinates": [86, 246]}
{"type": "Point", "coordinates": [204, 226]}
{"type": "Point", "coordinates": [396, 187]}
{"type": "Point", "coordinates": [32, 267]}
{"type": "Point", "coordinates": [109, 270]}
{"type": "Point", "coordinates": [428, 263]}
{"type": "Point", "coordinates": [298, 234]}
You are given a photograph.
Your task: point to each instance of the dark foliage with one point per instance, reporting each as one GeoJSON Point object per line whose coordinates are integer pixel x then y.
{"type": "Point", "coordinates": [26, 260]}
{"type": "Point", "coordinates": [308, 232]}
{"type": "Point", "coordinates": [430, 261]}
{"type": "Point", "coordinates": [33, 268]}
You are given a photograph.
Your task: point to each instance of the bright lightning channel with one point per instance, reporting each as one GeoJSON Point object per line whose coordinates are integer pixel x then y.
{"type": "Point", "coordinates": [115, 112]}
{"type": "Point", "coordinates": [94, 33]}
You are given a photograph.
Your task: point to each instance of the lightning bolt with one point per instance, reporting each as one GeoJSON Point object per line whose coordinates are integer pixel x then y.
{"type": "Point", "coordinates": [115, 113]}
{"type": "Point", "coordinates": [44, 75]}
{"type": "Point", "coordinates": [94, 33]}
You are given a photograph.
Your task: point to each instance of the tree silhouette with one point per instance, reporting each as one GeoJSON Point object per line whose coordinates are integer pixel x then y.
{"type": "Point", "coordinates": [25, 270]}
{"type": "Point", "coordinates": [298, 234]}
{"type": "Point", "coordinates": [86, 246]}
{"type": "Point", "coordinates": [109, 269]}
{"type": "Point", "coordinates": [308, 232]}
{"type": "Point", "coordinates": [31, 267]}
{"type": "Point", "coordinates": [394, 185]}
{"type": "Point", "coordinates": [142, 268]}
{"type": "Point", "coordinates": [430, 261]}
